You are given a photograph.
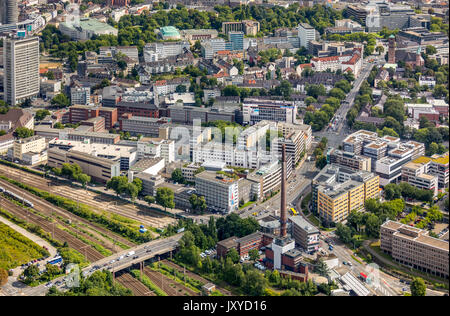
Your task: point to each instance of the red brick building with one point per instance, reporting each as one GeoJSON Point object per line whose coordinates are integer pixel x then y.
{"type": "Point", "coordinates": [243, 245]}
{"type": "Point", "coordinates": [144, 109]}
{"type": "Point", "coordinates": [78, 113]}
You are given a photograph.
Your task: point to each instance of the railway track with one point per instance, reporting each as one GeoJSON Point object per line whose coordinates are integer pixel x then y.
{"type": "Point", "coordinates": [91, 254]}
{"type": "Point", "coordinates": [160, 281]}
{"type": "Point", "coordinates": [134, 285]}
{"type": "Point", "coordinates": [47, 208]}
{"type": "Point", "coordinates": [194, 276]}
{"type": "Point", "coordinates": [121, 208]}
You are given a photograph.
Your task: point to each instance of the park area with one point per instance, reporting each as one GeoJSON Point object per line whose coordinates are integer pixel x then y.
{"type": "Point", "coordinates": [15, 249]}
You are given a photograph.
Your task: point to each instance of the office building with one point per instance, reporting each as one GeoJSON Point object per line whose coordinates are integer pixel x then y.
{"type": "Point", "coordinates": [306, 34]}
{"type": "Point", "coordinates": [258, 109]}
{"type": "Point", "coordinates": [417, 175]}
{"type": "Point", "coordinates": [349, 160]}
{"type": "Point", "coordinates": [161, 50]}
{"type": "Point", "coordinates": [212, 46]}
{"type": "Point", "coordinates": [305, 235]}
{"type": "Point", "coordinates": [336, 191]}
{"type": "Point", "coordinates": [220, 192]}
{"type": "Point", "coordinates": [34, 144]}
{"type": "Point", "coordinates": [98, 168]}
{"type": "Point", "coordinates": [248, 27]}
{"type": "Point", "coordinates": [156, 147]}
{"type": "Point", "coordinates": [193, 35]}
{"type": "Point", "coordinates": [21, 69]}
{"type": "Point", "coordinates": [436, 165]}
{"type": "Point", "coordinates": [237, 40]}
{"type": "Point", "coordinates": [414, 248]}
{"type": "Point", "coordinates": [125, 155]}
{"type": "Point", "coordinates": [388, 154]}
{"type": "Point", "coordinates": [78, 113]}
{"type": "Point", "coordinates": [80, 95]}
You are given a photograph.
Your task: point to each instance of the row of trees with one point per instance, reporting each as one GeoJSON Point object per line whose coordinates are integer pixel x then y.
{"type": "Point", "coordinates": [120, 185]}
{"type": "Point", "coordinates": [396, 191]}
{"type": "Point", "coordinates": [318, 119]}
{"type": "Point", "coordinates": [72, 172]}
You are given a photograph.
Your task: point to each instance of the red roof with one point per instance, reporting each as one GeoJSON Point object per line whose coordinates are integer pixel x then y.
{"type": "Point", "coordinates": [324, 59]}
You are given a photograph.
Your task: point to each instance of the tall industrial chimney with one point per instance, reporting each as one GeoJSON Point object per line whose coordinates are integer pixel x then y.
{"type": "Point", "coordinates": [283, 212]}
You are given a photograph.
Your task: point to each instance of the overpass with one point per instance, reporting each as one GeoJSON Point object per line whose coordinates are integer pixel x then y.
{"type": "Point", "coordinates": [142, 252]}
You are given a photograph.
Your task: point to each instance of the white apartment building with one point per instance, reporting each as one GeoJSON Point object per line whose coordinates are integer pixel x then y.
{"type": "Point", "coordinates": [306, 33]}
{"type": "Point", "coordinates": [161, 50]}
{"type": "Point", "coordinates": [21, 69]}
{"type": "Point", "coordinates": [348, 62]}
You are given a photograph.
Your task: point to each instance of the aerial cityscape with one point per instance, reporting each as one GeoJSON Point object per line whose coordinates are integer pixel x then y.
{"type": "Point", "coordinates": [229, 148]}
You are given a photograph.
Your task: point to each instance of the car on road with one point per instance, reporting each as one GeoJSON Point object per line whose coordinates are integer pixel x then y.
{"type": "Point", "coordinates": [350, 264]}
{"type": "Point", "coordinates": [344, 263]}
{"type": "Point", "coordinates": [49, 284]}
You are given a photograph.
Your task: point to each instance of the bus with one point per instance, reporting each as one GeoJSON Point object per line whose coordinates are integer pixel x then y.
{"type": "Point", "coordinates": [294, 212]}
{"type": "Point", "coordinates": [55, 260]}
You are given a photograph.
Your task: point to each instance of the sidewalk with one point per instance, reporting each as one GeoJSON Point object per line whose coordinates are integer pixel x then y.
{"type": "Point", "coordinates": [36, 239]}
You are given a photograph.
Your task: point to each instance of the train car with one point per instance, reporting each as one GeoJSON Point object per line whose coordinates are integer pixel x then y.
{"type": "Point", "coordinates": [18, 198]}
{"type": "Point", "coordinates": [55, 260]}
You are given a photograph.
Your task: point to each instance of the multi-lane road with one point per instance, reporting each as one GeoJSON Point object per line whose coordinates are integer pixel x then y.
{"type": "Point", "coordinates": [336, 134]}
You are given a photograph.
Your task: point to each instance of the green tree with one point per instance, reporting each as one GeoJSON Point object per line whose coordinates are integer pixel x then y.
{"type": "Point", "coordinates": [418, 287]}
{"type": "Point", "coordinates": [149, 199]}
{"type": "Point", "coordinates": [31, 272]}
{"type": "Point", "coordinates": [253, 254]}
{"type": "Point", "coordinates": [164, 197]}
{"type": "Point", "coordinates": [40, 114]}
{"type": "Point", "coordinates": [233, 255]}
{"type": "Point", "coordinates": [177, 176]}
{"type": "Point", "coordinates": [254, 283]}
{"type": "Point", "coordinates": [23, 132]}
{"type": "Point", "coordinates": [60, 100]}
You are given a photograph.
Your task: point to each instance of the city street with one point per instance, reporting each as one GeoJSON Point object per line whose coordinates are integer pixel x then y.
{"type": "Point", "coordinates": [296, 187]}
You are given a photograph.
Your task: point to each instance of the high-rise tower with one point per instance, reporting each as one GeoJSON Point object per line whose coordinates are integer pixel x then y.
{"type": "Point", "coordinates": [21, 68]}
{"type": "Point", "coordinates": [8, 12]}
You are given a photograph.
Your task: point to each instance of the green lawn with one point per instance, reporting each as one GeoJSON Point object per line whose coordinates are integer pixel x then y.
{"type": "Point", "coordinates": [314, 220]}
{"type": "Point", "coordinates": [246, 204]}
{"type": "Point", "coordinates": [16, 249]}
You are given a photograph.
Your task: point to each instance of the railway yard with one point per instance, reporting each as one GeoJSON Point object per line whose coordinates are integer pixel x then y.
{"type": "Point", "coordinates": [169, 286]}
{"type": "Point", "coordinates": [98, 202]}
{"type": "Point", "coordinates": [91, 240]}
{"type": "Point", "coordinates": [134, 285]}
